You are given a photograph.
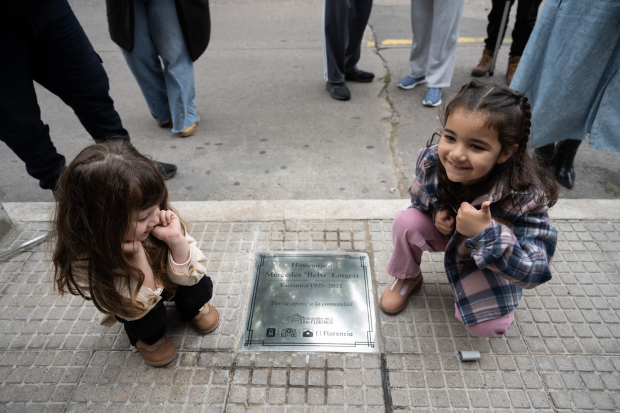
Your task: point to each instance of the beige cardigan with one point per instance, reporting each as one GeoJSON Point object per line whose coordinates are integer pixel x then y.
{"type": "Point", "coordinates": [195, 271]}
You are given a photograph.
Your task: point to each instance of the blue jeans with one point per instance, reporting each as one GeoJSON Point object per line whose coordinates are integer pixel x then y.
{"type": "Point", "coordinates": [169, 90]}
{"type": "Point", "coordinates": [48, 46]}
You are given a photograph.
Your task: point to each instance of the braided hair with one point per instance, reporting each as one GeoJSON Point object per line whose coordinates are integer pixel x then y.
{"type": "Point", "coordinates": [509, 113]}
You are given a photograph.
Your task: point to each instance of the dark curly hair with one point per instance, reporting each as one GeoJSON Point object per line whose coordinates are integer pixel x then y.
{"type": "Point", "coordinates": [509, 114]}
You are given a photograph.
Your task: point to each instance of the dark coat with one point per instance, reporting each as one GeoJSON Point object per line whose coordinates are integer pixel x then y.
{"type": "Point", "coordinates": [193, 15]}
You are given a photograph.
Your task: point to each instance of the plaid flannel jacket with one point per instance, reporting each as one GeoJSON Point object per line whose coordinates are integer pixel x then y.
{"type": "Point", "coordinates": [487, 272]}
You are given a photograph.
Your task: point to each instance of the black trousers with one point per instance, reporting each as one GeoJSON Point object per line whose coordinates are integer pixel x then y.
{"type": "Point", "coordinates": [48, 46]}
{"type": "Point", "coordinates": [527, 12]}
{"type": "Point", "coordinates": [189, 299]}
{"type": "Point", "coordinates": [345, 22]}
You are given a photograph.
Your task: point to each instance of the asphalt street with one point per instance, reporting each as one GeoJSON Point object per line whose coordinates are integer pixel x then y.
{"type": "Point", "coordinates": [268, 128]}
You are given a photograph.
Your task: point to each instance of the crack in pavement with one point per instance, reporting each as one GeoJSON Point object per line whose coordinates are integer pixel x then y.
{"type": "Point", "coordinates": [397, 163]}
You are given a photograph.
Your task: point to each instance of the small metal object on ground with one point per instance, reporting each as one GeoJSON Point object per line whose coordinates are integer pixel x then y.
{"type": "Point", "coordinates": [469, 355]}
{"type": "Point", "coordinates": [30, 243]}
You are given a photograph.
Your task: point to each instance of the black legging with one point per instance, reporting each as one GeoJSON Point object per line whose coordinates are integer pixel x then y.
{"type": "Point", "coordinates": [189, 299]}
{"type": "Point", "coordinates": [527, 12]}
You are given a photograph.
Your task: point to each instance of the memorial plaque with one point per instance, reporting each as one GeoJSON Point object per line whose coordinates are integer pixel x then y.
{"type": "Point", "coordinates": [311, 301]}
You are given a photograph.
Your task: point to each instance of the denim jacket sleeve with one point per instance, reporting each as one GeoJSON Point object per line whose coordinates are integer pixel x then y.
{"type": "Point", "coordinates": [521, 253]}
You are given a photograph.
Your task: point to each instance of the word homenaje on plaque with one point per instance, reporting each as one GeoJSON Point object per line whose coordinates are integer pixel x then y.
{"type": "Point", "coordinates": [311, 301]}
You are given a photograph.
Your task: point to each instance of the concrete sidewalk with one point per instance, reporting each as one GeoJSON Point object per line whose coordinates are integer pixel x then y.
{"type": "Point", "coordinates": [561, 354]}
{"type": "Point", "coordinates": [269, 129]}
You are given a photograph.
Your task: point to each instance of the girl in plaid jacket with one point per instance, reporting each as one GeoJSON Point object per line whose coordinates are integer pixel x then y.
{"type": "Point", "coordinates": [482, 197]}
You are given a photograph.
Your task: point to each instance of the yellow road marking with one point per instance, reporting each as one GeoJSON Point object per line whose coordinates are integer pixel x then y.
{"type": "Point", "coordinates": [405, 42]}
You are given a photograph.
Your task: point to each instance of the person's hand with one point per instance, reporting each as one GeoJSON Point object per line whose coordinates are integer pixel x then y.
{"type": "Point", "coordinates": [169, 228]}
{"type": "Point", "coordinates": [444, 221]}
{"type": "Point", "coordinates": [470, 221]}
{"type": "Point", "coordinates": [169, 231]}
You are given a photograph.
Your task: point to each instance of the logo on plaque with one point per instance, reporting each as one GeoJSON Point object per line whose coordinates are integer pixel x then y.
{"type": "Point", "coordinates": [296, 319]}
{"type": "Point", "coordinates": [299, 319]}
{"type": "Point", "coordinates": [317, 301]}
{"type": "Point", "coordinates": [289, 332]}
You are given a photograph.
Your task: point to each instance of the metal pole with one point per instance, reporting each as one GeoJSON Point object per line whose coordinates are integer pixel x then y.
{"type": "Point", "coordinates": [500, 36]}
{"type": "Point", "coordinates": [25, 245]}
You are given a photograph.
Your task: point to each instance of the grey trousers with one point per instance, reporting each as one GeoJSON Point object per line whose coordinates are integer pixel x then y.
{"type": "Point", "coordinates": [435, 25]}
{"type": "Point", "coordinates": [344, 22]}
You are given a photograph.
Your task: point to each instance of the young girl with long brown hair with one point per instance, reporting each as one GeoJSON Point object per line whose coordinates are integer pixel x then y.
{"type": "Point", "coordinates": [121, 245]}
{"type": "Point", "coordinates": [482, 197]}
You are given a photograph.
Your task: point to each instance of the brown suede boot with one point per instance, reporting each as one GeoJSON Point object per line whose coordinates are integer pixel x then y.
{"type": "Point", "coordinates": [394, 299]}
{"type": "Point", "coordinates": [485, 64]}
{"type": "Point", "coordinates": [159, 354]}
{"type": "Point", "coordinates": [207, 319]}
{"type": "Point", "coordinates": [513, 62]}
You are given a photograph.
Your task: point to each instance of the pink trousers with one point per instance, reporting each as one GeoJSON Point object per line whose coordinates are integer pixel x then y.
{"type": "Point", "coordinates": [414, 232]}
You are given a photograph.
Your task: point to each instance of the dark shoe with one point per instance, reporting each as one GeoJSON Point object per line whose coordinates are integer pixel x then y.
{"type": "Point", "coordinates": [207, 319]}
{"type": "Point", "coordinates": [485, 64]}
{"type": "Point", "coordinates": [564, 157]}
{"type": "Point", "coordinates": [159, 354]}
{"type": "Point", "coordinates": [513, 62]}
{"type": "Point", "coordinates": [338, 91]}
{"type": "Point", "coordinates": [545, 154]}
{"type": "Point", "coordinates": [168, 170]}
{"type": "Point", "coordinates": [359, 76]}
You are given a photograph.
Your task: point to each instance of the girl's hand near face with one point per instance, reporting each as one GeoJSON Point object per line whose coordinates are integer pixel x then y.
{"type": "Point", "coordinates": [169, 231]}
{"type": "Point", "coordinates": [169, 228]}
{"type": "Point", "coordinates": [444, 221]}
{"type": "Point", "coordinates": [470, 221]}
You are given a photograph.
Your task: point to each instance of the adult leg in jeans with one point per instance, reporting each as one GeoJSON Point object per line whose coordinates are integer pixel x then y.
{"type": "Point", "coordinates": [166, 40]}
{"type": "Point", "coordinates": [144, 63]}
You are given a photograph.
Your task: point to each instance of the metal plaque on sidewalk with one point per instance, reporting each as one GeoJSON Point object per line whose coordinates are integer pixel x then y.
{"type": "Point", "coordinates": [311, 301]}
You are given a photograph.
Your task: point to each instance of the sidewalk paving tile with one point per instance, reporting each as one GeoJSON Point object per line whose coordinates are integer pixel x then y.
{"type": "Point", "coordinates": [562, 353]}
